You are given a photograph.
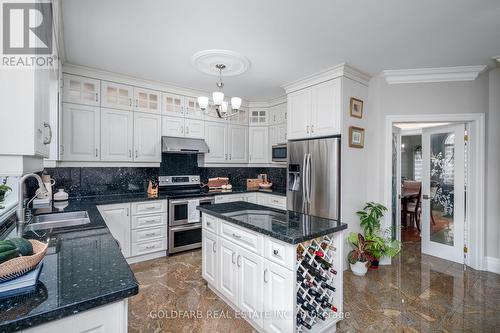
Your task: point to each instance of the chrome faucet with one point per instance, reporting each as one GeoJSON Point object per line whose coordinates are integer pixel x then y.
{"type": "Point", "coordinates": [21, 207]}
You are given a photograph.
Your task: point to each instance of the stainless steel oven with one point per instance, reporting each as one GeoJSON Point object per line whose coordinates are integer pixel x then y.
{"type": "Point", "coordinates": [182, 234]}
{"type": "Point", "coordinates": [279, 153]}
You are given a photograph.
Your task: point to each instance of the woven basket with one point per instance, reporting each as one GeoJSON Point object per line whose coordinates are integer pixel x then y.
{"type": "Point", "coordinates": [16, 267]}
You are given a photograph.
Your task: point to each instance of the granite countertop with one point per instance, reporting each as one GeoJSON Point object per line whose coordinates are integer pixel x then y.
{"type": "Point", "coordinates": [290, 227]}
{"type": "Point", "coordinates": [83, 269]}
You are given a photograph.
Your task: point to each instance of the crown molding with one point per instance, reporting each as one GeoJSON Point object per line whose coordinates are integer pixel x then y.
{"type": "Point", "coordinates": [331, 73]}
{"type": "Point", "coordinates": [427, 75]}
{"type": "Point", "coordinates": [269, 103]}
{"type": "Point", "coordinates": [130, 80]}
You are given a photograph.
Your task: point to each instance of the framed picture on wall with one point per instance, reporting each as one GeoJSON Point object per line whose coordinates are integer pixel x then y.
{"type": "Point", "coordinates": [356, 108]}
{"type": "Point", "coordinates": [356, 137]}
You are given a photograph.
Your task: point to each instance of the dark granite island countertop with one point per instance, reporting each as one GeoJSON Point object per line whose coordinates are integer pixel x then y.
{"type": "Point", "coordinates": [83, 269]}
{"type": "Point", "coordinates": [290, 227]}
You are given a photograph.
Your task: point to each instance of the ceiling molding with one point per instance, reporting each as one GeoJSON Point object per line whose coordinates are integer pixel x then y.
{"type": "Point", "coordinates": [269, 103]}
{"type": "Point", "coordinates": [205, 61]}
{"type": "Point", "coordinates": [331, 73]}
{"type": "Point", "coordinates": [427, 75]}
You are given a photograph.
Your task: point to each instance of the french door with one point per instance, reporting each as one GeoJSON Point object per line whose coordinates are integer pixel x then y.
{"type": "Point", "coordinates": [443, 189]}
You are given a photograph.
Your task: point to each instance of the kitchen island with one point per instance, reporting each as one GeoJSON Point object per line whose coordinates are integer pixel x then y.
{"type": "Point", "coordinates": [280, 270]}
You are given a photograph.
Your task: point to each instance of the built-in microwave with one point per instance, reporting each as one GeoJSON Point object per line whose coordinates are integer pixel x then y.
{"type": "Point", "coordinates": [279, 153]}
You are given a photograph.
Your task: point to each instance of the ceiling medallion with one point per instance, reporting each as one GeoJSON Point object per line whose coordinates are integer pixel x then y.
{"type": "Point", "coordinates": [215, 62]}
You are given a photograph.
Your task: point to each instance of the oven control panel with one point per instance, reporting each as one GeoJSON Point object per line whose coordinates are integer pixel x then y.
{"type": "Point", "coordinates": [178, 180]}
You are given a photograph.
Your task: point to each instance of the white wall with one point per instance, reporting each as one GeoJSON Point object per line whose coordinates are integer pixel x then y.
{"type": "Point", "coordinates": [477, 96]}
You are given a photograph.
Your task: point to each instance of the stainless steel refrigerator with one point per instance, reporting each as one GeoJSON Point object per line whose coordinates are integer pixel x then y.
{"type": "Point", "coordinates": [314, 177]}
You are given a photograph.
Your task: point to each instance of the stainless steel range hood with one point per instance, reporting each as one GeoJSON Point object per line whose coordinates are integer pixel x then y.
{"type": "Point", "coordinates": [172, 144]}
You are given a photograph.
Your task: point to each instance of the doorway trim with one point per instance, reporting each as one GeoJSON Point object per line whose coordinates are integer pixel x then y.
{"type": "Point", "coordinates": [475, 224]}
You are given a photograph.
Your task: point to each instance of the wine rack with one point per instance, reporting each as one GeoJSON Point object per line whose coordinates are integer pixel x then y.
{"type": "Point", "coordinates": [318, 283]}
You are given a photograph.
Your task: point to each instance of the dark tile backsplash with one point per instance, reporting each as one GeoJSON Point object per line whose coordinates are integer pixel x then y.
{"type": "Point", "coordinates": [90, 181]}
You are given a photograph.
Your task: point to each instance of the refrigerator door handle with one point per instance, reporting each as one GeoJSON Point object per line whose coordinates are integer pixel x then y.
{"type": "Point", "coordinates": [304, 178]}
{"type": "Point", "coordinates": [309, 178]}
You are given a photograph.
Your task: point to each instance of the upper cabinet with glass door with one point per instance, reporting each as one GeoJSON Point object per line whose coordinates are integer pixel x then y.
{"type": "Point", "coordinates": [191, 108]}
{"type": "Point", "coordinates": [172, 105]}
{"type": "Point", "coordinates": [146, 100]}
{"type": "Point", "coordinates": [258, 117]}
{"type": "Point", "coordinates": [81, 90]}
{"type": "Point", "coordinates": [116, 95]}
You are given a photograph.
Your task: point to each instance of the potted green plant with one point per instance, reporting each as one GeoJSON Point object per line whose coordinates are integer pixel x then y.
{"type": "Point", "coordinates": [379, 241]}
{"type": "Point", "coordinates": [359, 258]}
{"type": "Point", "coordinates": [3, 191]}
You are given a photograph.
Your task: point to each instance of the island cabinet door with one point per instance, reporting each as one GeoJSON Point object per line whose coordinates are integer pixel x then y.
{"type": "Point", "coordinates": [117, 218]}
{"type": "Point", "coordinates": [228, 279]}
{"type": "Point", "coordinates": [250, 282]}
{"type": "Point", "coordinates": [209, 247]}
{"type": "Point", "coordinates": [278, 298]}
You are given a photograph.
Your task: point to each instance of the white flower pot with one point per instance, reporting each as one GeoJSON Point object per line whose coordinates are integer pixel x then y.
{"type": "Point", "coordinates": [359, 268]}
{"type": "Point", "coordinates": [384, 261]}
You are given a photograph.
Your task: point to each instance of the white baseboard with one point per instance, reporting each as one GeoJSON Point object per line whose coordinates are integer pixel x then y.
{"type": "Point", "coordinates": [493, 264]}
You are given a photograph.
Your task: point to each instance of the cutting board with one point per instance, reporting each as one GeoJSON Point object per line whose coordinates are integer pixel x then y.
{"type": "Point", "coordinates": [214, 183]}
{"type": "Point", "coordinates": [253, 183]}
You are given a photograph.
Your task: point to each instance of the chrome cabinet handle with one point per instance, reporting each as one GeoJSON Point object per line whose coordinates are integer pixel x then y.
{"type": "Point", "coordinates": [48, 140]}
{"type": "Point", "coordinates": [136, 154]}
{"type": "Point", "coordinates": [128, 212]}
{"type": "Point", "coordinates": [276, 253]}
{"type": "Point", "coordinates": [130, 153]}
{"type": "Point", "coordinates": [236, 236]}
{"type": "Point", "coordinates": [150, 234]}
{"type": "Point", "coordinates": [150, 247]}
{"type": "Point", "coordinates": [230, 157]}
{"type": "Point", "coordinates": [187, 129]}
{"type": "Point", "coordinates": [425, 197]}
{"type": "Point", "coordinates": [62, 149]}
{"type": "Point", "coordinates": [312, 128]}
{"type": "Point", "coordinates": [232, 258]}
{"type": "Point", "coordinates": [97, 152]}
{"type": "Point", "coordinates": [150, 207]}
{"type": "Point", "coordinates": [130, 102]}
{"type": "Point", "coordinates": [225, 156]}
{"type": "Point", "coordinates": [307, 129]}
{"type": "Point", "coordinates": [213, 247]}
{"type": "Point", "coordinates": [239, 261]}
{"type": "Point", "coordinates": [265, 275]}
{"type": "Point", "coordinates": [97, 97]}
{"type": "Point", "coordinates": [209, 224]}
{"type": "Point", "coordinates": [182, 130]}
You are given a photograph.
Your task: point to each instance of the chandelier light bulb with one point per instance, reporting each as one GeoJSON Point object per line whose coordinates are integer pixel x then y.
{"type": "Point", "coordinates": [218, 97]}
{"type": "Point", "coordinates": [203, 102]}
{"type": "Point", "coordinates": [224, 107]}
{"type": "Point", "coordinates": [235, 103]}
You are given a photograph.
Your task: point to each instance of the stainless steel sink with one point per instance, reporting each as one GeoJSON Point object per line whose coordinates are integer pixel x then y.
{"type": "Point", "coordinates": [59, 220]}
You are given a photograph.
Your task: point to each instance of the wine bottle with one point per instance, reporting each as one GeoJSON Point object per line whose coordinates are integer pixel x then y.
{"type": "Point", "coordinates": [334, 309]}
{"type": "Point", "coordinates": [306, 305]}
{"type": "Point", "coordinates": [321, 316]}
{"type": "Point", "coordinates": [327, 286]}
{"type": "Point", "coordinates": [313, 292]}
{"type": "Point", "coordinates": [301, 321]}
{"type": "Point", "coordinates": [314, 272]}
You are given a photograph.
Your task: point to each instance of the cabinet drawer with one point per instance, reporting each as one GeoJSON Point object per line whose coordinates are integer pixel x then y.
{"type": "Point", "coordinates": [279, 252]}
{"type": "Point", "coordinates": [147, 207]}
{"type": "Point", "coordinates": [210, 223]}
{"type": "Point", "coordinates": [148, 247]}
{"type": "Point", "coordinates": [148, 234]}
{"type": "Point", "coordinates": [276, 201]}
{"type": "Point", "coordinates": [146, 221]}
{"type": "Point", "coordinates": [245, 238]}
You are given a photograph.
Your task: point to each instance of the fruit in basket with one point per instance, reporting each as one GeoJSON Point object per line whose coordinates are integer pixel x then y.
{"type": "Point", "coordinates": [23, 246]}
{"type": "Point", "coordinates": [7, 251]}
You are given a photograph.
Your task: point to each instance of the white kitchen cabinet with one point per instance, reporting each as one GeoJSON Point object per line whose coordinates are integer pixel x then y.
{"type": "Point", "coordinates": [241, 118]}
{"type": "Point", "coordinates": [172, 105]}
{"type": "Point", "coordinates": [116, 135]}
{"type": "Point", "coordinates": [109, 318]}
{"type": "Point", "coordinates": [116, 96]}
{"type": "Point", "coordinates": [278, 297]}
{"type": "Point", "coordinates": [258, 116]}
{"type": "Point", "coordinates": [250, 281]}
{"type": "Point", "coordinates": [210, 252]}
{"type": "Point", "coordinates": [117, 217]}
{"type": "Point", "coordinates": [146, 100]}
{"type": "Point", "coordinates": [228, 270]}
{"type": "Point", "coordinates": [259, 145]}
{"type": "Point", "coordinates": [216, 138]}
{"type": "Point", "coordinates": [80, 132]}
{"type": "Point", "coordinates": [172, 126]}
{"type": "Point", "coordinates": [299, 114]}
{"type": "Point", "coordinates": [277, 114]}
{"type": "Point", "coordinates": [194, 128]}
{"type": "Point", "coordinates": [229, 198]}
{"type": "Point", "coordinates": [238, 144]}
{"type": "Point", "coordinates": [191, 108]}
{"type": "Point", "coordinates": [81, 90]}
{"type": "Point", "coordinates": [326, 105]}
{"type": "Point", "coordinates": [147, 137]}
{"type": "Point", "coordinates": [315, 111]}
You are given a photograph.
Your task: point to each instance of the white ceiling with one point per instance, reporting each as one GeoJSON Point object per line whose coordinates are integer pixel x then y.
{"type": "Point", "coordinates": [283, 39]}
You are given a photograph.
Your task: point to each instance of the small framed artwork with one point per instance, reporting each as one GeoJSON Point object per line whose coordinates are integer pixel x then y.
{"type": "Point", "coordinates": [356, 137]}
{"type": "Point", "coordinates": [356, 108]}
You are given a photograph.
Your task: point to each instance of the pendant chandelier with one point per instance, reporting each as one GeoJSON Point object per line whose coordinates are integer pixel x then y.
{"type": "Point", "coordinates": [221, 106]}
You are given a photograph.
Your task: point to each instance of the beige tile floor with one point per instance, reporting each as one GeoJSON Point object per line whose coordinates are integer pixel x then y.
{"type": "Point", "coordinates": [417, 293]}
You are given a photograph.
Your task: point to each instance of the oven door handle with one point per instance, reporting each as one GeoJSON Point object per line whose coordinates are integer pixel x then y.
{"type": "Point", "coordinates": [185, 201]}
{"type": "Point", "coordinates": [186, 227]}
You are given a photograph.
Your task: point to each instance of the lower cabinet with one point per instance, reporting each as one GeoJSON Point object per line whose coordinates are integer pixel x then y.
{"type": "Point", "coordinates": [264, 199]}
{"type": "Point", "coordinates": [140, 228]}
{"type": "Point", "coordinates": [261, 289]}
